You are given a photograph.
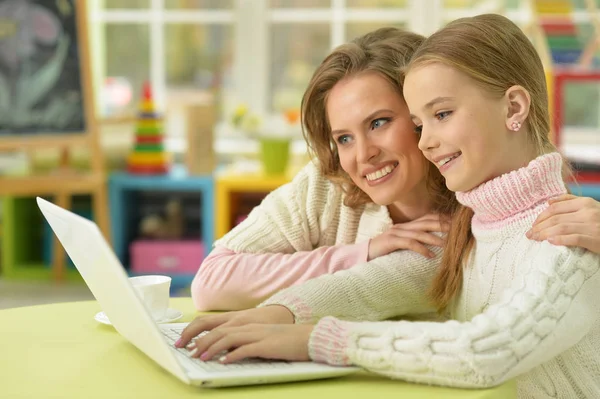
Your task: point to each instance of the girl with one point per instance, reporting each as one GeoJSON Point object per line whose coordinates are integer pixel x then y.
{"type": "Point", "coordinates": [371, 193]}
{"type": "Point", "coordinates": [522, 309]}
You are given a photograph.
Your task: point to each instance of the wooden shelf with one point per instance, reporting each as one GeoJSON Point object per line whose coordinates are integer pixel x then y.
{"type": "Point", "coordinates": [49, 184]}
{"type": "Point", "coordinates": [228, 185]}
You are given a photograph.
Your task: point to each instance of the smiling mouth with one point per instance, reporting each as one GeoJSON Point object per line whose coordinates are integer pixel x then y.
{"type": "Point", "coordinates": [381, 172]}
{"type": "Point", "coordinates": [448, 159]}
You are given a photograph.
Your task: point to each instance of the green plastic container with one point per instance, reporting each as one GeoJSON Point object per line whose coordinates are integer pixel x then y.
{"type": "Point", "coordinates": [274, 154]}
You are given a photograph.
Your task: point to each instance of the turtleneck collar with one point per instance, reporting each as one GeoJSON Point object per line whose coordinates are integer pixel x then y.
{"type": "Point", "coordinates": [516, 194]}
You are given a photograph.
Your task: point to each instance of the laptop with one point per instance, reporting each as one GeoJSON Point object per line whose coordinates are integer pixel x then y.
{"type": "Point", "coordinates": [108, 282]}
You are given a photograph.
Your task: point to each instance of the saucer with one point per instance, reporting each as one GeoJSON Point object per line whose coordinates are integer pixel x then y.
{"type": "Point", "coordinates": [171, 316]}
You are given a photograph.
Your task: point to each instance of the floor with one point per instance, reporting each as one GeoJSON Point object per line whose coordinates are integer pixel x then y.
{"type": "Point", "coordinates": [14, 294]}
{"type": "Point", "coordinates": [25, 293]}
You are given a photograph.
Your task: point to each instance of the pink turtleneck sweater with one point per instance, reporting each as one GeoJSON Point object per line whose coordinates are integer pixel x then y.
{"type": "Point", "coordinates": [527, 310]}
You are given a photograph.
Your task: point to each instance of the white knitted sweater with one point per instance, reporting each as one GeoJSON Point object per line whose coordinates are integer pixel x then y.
{"type": "Point", "coordinates": [308, 213]}
{"type": "Point", "coordinates": [527, 310]}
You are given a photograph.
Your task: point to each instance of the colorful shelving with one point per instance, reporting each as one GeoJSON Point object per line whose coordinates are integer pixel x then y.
{"type": "Point", "coordinates": [22, 237]}
{"type": "Point", "coordinates": [232, 188]}
{"type": "Point", "coordinates": [122, 190]}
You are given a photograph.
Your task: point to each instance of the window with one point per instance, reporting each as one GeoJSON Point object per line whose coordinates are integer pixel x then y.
{"type": "Point", "coordinates": [183, 47]}
{"type": "Point", "coordinates": [262, 52]}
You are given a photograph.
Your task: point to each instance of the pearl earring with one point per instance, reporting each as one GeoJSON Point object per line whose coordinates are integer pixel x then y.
{"type": "Point", "coordinates": [515, 126]}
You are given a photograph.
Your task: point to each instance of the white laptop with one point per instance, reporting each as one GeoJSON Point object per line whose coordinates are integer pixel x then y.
{"type": "Point", "coordinates": [108, 281]}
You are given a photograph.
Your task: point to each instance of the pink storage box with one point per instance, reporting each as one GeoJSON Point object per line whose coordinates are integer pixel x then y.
{"type": "Point", "coordinates": [166, 256]}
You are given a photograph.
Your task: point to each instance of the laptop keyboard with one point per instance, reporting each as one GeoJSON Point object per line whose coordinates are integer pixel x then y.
{"type": "Point", "coordinates": [173, 334]}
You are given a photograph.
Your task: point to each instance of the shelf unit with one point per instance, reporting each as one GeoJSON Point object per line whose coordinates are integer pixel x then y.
{"type": "Point", "coordinates": [230, 188]}
{"type": "Point", "coordinates": [586, 190]}
{"type": "Point", "coordinates": [122, 190]}
{"type": "Point", "coordinates": [22, 237]}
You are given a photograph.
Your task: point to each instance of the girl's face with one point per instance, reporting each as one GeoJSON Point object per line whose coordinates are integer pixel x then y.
{"type": "Point", "coordinates": [375, 139]}
{"type": "Point", "coordinates": [463, 129]}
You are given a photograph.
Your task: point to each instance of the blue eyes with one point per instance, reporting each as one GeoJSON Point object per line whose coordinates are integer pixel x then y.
{"type": "Point", "coordinates": [443, 115]}
{"type": "Point", "coordinates": [343, 139]}
{"type": "Point", "coordinates": [377, 123]}
{"type": "Point", "coordinates": [440, 116]}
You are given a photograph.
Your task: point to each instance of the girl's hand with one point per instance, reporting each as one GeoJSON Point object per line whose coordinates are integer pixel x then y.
{"type": "Point", "coordinates": [267, 341]}
{"type": "Point", "coordinates": [413, 235]}
{"type": "Point", "coordinates": [274, 314]}
{"type": "Point", "coordinates": [571, 221]}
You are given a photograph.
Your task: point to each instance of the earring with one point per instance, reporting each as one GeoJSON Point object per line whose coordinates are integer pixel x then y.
{"type": "Point", "coordinates": [515, 126]}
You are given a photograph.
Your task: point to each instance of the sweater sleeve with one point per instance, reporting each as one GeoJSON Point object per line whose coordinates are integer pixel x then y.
{"type": "Point", "coordinates": [550, 310]}
{"type": "Point", "coordinates": [391, 285]}
{"type": "Point", "coordinates": [291, 218]}
{"type": "Point", "coordinates": [230, 281]}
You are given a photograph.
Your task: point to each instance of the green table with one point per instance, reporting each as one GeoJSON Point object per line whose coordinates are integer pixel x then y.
{"type": "Point", "coordinates": [60, 351]}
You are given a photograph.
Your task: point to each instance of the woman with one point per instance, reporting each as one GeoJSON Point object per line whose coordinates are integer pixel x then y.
{"type": "Point", "coordinates": [370, 193]}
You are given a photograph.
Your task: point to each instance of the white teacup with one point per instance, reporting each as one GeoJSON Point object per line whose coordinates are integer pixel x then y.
{"type": "Point", "coordinates": [154, 292]}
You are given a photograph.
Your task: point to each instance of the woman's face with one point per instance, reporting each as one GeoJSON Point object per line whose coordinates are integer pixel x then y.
{"type": "Point", "coordinates": [375, 138]}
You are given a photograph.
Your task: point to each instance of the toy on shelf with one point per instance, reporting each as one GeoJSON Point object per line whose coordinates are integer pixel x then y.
{"type": "Point", "coordinates": [167, 227]}
{"type": "Point", "coordinates": [148, 156]}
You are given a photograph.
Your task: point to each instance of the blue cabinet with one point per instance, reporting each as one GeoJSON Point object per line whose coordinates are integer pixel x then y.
{"type": "Point", "coordinates": [126, 192]}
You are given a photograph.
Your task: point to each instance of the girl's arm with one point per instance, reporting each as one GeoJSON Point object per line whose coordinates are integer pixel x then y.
{"type": "Point", "coordinates": [392, 285]}
{"type": "Point", "coordinates": [230, 281]}
{"type": "Point", "coordinates": [554, 307]}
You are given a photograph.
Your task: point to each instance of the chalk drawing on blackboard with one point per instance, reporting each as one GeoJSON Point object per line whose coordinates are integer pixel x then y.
{"type": "Point", "coordinates": [40, 69]}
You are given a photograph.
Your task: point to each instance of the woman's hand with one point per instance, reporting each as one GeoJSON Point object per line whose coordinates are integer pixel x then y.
{"type": "Point", "coordinates": [267, 341]}
{"type": "Point", "coordinates": [274, 314]}
{"type": "Point", "coordinates": [571, 221]}
{"type": "Point", "coordinates": [413, 235]}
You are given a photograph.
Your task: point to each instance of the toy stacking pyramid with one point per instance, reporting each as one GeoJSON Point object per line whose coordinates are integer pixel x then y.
{"type": "Point", "coordinates": [148, 156]}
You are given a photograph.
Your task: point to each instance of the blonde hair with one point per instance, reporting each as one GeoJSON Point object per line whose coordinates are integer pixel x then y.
{"type": "Point", "coordinates": [497, 55]}
{"type": "Point", "coordinates": [384, 51]}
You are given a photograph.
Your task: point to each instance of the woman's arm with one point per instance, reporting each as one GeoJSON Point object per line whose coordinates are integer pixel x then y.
{"type": "Point", "coordinates": [392, 285]}
{"type": "Point", "coordinates": [290, 219]}
{"type": "Point", "coordinates": [571, 221]}
{"type": "Point", "coordinates": [230, 281]}
{"type": "Point", "coordinates": [552, 310]}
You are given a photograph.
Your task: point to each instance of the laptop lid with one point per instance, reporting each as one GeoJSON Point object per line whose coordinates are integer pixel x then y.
{"type": "Point", "coordinates": [106, 277]}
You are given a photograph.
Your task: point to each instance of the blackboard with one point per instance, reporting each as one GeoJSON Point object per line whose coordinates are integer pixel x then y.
{"type": "Point", "coordinates": [41, 85]}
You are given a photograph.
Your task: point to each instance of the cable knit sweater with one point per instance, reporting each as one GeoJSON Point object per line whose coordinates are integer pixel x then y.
{"type": "Point", "coordinates": [309, 213]}
{"type": "Point", "coordinates": [527, 310]}
{"type": "Point", "coordinates": [305, 214]}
